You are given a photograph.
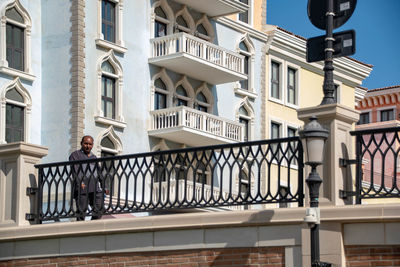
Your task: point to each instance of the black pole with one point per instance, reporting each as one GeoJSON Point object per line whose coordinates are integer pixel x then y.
{"type": "Point", "coordinates": [329, 86]}
{"type": "Point", "coordinates": [314, 181]}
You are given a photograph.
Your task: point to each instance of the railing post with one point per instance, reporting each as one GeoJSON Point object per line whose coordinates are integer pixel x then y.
{"type": "Point", "coordinates": [18, 172]}
{"type": "Point", "coordinates": [359, 173]}
{"type": "Point", "coordinates": [300, 173]}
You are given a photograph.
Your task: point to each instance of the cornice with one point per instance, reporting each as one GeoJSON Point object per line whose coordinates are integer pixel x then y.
{"type": "Point", "coordinates": [243, 28]}
{"type": "Point", "coordinates": [292, 46]}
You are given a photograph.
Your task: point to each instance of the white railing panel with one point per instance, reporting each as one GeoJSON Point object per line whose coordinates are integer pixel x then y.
{"type": "Point", "coordinates": [183, 42]}
{"type": "Point", "coordinates": [195, 119]}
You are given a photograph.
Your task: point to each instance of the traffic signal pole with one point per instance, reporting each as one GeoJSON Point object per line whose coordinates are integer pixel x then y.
{"type": "Point", "coordinates": [329, 86]}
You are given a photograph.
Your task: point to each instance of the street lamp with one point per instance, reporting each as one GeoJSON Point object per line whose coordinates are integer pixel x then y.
{"type": "Point", "coordinates": [313, 138]}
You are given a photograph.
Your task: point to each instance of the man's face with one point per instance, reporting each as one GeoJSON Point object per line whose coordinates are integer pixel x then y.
{"type": "Point", "coordinates": [87, 145]}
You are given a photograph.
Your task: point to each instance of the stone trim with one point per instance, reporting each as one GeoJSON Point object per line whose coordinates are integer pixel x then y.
{"type": "Point", "coordinates": [77, 80]}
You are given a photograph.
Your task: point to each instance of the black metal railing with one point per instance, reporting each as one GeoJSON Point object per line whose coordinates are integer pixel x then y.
{"type": "Point", "coordinates": [231, 176]}
{"type": "Point", "coordinates": [377, 159]}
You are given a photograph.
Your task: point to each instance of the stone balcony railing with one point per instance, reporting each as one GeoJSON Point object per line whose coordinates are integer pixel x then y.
{"type": "Point", "coordinates": [184, 123]}
{"type": "Point", "coordinates": [200, 59]}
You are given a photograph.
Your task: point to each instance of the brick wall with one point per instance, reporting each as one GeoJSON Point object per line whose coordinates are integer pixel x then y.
{"type": "Point", "coordinates": [372, 255]}
{"type": "Point", "coordinates": [255, 257]}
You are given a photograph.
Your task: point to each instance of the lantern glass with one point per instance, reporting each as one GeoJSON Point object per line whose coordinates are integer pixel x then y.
{"type": "Point", "coordinates": [315, 149]}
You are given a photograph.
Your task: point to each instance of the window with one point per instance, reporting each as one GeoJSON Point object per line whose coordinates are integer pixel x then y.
{"type": "Point", "coordinates": [291, 86]}
{"type": "Point", "coordinates": [275, 134]}
{"type": "Point", "coordinates": [184, 21]}
{"type": "Point", "coordinates": [245, 121]}
{"type": "Point", "coordinates": [160, 98]}
{"type": "Point", "coordinates": [15, 108]}
{"type": "Point", "coordinates": [15, 37]}
{"type": "Point", "coordinates": [275, 80]}
{"type": "Point", "coordinates": [387, 115]}
{"type": "Point", "coordinates": [275, 130]}
{"type": "Point", "coordinates": [109, 170]}
{"type": "Point", "coordinates": [244, 16]}
{"type": "Point", "coordinates": [181, 167]}
{"type": "Point", "coordinates": [108, 91]}
{"type": "Point", "coordinates": [14, 117]}
{"type": "Point", "coordinates": [291, 132]}
{"type": "Point", "coordinates": [109, 111]}
{"type": "Point", "coordinates": [244, 50]}
{"type": "Point", "coordinates": [181, 98]}
{"type": "Point", "coordinates": [364, 118]}
{"type": "Point", "coordinates": [160, 170]}
{"type": "Point", "coordinates": [201, 102]}
{"type": "Point", "coordinates": [202, 32]}
{"type": "Point", "coordinates": [160, 25]}
{"type": "Point", "coordinates": [108, 20]}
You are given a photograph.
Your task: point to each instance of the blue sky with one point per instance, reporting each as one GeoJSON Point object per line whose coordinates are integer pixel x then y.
{"type": "Point", "coordinates": [377, 26]}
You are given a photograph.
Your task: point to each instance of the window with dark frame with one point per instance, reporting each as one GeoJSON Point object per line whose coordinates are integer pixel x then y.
{"type": "Point", "coordinates": [364, 118]}
{"type": "Point", "coordinates": [291, 86]}
{"type": "Point", "coordinates": [160, 28]}
{"type": "Point", "coordinates": [14, 117]}
{"type": "Point", "coordinates": [275, 80]}
{"type": "Point", "coordinates": [244, 50]}
{"type": "Point", "coordinates": [108, 20]}
{"type": "Point", "coordinates": [109, 169]}
{"type": "Point", "coordinates": [291, 132]}
{"type": "Point", "coordinates": [387, 115]}
{"type": "Point", "coordinates": [275, 134]}
{"type": "Point", "coordinates": [15, 40]}
{"type": "Point", "coordinates": [108, 96]}
{"type": "Point", "coordinates": [244, 16]}
{"type": "Point", "coordinates": [243, 118]}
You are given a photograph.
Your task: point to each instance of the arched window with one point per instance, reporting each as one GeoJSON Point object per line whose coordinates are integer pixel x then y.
{"type": "Point", "coordinates": [184, 93]}
{"type": "Point", "coordinates": [162, 19]}
{"type": "Point", "coordinates": [246, 49]}
{"type": "Point", "coordinates": [181, 98]}
{"type": "Point", "coordinates": [15, 31]}
{"type": "Point", "coordinates": [15, 113]}
{"type": "Point", "coordinates": [162, 90]}
{"type": "Point", "coordinates": [160, 22]}
{"type": "Point", "coordinates": [201, 102]}
{"type": "Point", "coordinates": [245, 120]}
{"type": "Point", "coordinates": [110, 91]}
{"type": "Point", "coordinates": [160, 95]}
{"type": "Point", "coordinates": [245, 115]}
{"type": "Point", "coordinates": [204, 29]}
{"type": "Point", "coordinates": [14, 116]}
{"type": "Point", "coordinates": [108, 79]}
{"type": "Point", "coordinates": [184, 21]}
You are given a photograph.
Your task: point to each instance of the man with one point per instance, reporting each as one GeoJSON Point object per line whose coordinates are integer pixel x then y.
{"type": "Point", "coordinates": [86, 187]}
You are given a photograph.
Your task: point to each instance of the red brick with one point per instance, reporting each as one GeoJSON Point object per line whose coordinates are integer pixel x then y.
{"type": "Point", "coordinates": [381, 263]}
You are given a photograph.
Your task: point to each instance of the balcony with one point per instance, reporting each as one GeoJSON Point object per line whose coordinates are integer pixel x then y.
{"type": "Point", "coordinates": [216, 8]}
{"type": "Point", "coordinates": [197, 58]}
{"type": "Point", "coordinates": [194, 128]}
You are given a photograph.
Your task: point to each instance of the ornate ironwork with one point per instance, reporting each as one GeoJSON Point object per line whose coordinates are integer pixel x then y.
{"type": "Point", "coordinates": [231, 176]}
{"type": "Point", "coordinates": [377, 159]}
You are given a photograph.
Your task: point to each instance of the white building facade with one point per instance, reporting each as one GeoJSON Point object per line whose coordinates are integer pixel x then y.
{"type": "Point", "coordinates": [136, 75]}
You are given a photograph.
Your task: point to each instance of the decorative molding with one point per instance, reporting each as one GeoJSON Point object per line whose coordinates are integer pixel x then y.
{"type": "Point", "coordinates": [77, 70]}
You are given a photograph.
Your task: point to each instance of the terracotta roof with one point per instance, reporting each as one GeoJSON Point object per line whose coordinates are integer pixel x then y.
{"type": "Point", "coordinates": [384, 88]}
{"type": "Point", "coordinates": [303, 38]}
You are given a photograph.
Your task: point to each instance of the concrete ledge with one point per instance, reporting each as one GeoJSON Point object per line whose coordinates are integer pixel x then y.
{"type": "Point", "coordinates": [294, 216]}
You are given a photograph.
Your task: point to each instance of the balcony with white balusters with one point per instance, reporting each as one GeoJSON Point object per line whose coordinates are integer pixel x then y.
{"type": "Point", "coordinates": [193, 127]}
{"type": "Point", "coordinates": [197, 58]}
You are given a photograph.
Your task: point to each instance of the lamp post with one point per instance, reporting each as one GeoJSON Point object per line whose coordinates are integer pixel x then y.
{"type": "Point", "coordinates": [313, 138]}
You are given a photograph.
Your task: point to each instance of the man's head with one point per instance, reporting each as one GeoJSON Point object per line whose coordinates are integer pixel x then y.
{"type": "Point", "coordinates": [87, 144]}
